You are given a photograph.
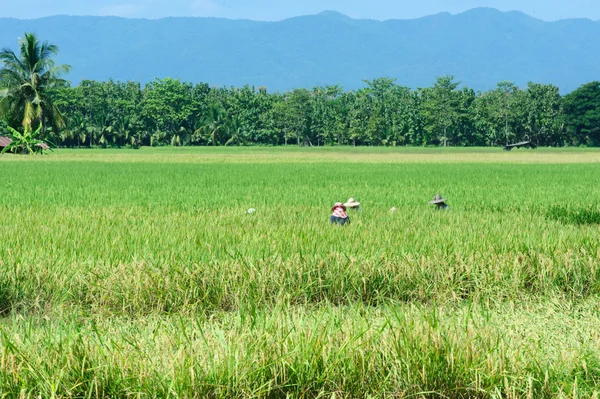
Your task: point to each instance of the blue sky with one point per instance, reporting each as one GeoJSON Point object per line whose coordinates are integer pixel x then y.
{"type": "Point", "coordinates": [280, 9]}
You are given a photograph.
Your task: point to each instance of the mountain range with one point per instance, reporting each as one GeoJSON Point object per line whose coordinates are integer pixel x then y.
{"type": "Point", "coordinates": [480, 47]}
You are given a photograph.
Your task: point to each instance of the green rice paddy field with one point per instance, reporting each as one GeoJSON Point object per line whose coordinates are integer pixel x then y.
{"type": "Point", "coordinates": [138, 274]}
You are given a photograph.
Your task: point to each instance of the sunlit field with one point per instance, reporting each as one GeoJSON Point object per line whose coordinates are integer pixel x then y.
{"type": "Point", "coordinates": [138, 274]}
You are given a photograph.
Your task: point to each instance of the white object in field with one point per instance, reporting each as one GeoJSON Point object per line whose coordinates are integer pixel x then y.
{"type": "Point", "coordinates": [251, 211]}
{"type": "Point", "coordinates": [394, 209]}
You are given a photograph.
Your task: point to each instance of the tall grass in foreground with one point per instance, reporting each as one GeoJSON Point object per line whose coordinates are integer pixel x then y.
{"type": "Point", "coordinates": [145, 278]}
{"type": "Point", "coordinates": [137, 261]}
{"type": "Point", "coordinates": [540, 351]}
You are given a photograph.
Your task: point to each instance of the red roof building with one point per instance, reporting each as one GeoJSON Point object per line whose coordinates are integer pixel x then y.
{"type": "Point", "coordinates": [4, 141]}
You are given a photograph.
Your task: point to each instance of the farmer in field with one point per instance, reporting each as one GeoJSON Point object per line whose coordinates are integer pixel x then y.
{"type": "Point", "coordinates": [339, 215]}
{"type": "Point", "coordinates": [353, 204]}
{"type": "Point", "coordinates": [440, 203]}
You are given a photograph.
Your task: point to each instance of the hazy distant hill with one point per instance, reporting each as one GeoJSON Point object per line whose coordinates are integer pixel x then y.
{"type": "Point", "coordinates": [480, 47]}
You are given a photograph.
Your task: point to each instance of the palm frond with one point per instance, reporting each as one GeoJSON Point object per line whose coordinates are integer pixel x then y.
{"type": "Point", "coordinates": [7, 55]}
{"type": "Point", "coordinates": [57, 116]}
{"type": "Point", "coordinates": [29, 50]}
{"type": "Point", "coordinates": [47, 50]}
{"type": "Point", "coordinates": [51, 77]}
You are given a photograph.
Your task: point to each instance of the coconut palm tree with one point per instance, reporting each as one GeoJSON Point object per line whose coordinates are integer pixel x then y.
{"type": "Point", "coordinates": [237, 132]}
{"type": "Point", "coordinates": [78, 129]}
{"type": "Point", "coordinates": [214, 124]}
{"type": "Point", "coordinates": [25, 80]}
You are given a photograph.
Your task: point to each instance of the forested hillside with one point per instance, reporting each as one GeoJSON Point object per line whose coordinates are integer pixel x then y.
{"type": "Point", "coordinates": [480, 47]}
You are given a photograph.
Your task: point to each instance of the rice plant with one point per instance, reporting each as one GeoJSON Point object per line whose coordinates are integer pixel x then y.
{"type": "Point", "coordinates": [142, 274]}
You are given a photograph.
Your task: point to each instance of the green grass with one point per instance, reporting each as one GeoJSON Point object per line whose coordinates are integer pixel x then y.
{"type": "Point", "coordinates": [138, 274]}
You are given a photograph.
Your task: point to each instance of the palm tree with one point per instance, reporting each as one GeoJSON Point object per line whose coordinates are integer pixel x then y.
{"type": "Point", "coordinates": [123, 132]}
{"type": "Point", "coordinates": [25, 81]}
{"type": "Point", "coordinates": [103, 128]}
{"type": "Point", "coordinates": [79, 129]}
{"type": "Point", "coordinates": [180, 137]}
{"type": "Point", "coordinates": [237, 132]}
{"type": "Point", "coordinates": [215, 123]}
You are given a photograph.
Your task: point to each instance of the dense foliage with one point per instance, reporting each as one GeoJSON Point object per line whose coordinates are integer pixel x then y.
{"type": "Point", "coordinates": [171, 112]}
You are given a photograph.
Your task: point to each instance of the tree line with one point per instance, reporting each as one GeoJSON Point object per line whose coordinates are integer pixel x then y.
{"type": "Point", "coordinates": [383, 113]}
{"type": "Point", "coordinates": [170, 112]}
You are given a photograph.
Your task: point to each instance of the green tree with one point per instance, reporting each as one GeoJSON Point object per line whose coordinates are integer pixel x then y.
{"type": "Point", "coordinates": [582, 114]}
{"type": "Point", "coordinates": [466, 131]}
{"type": "Point", "coordinates": [169, 108]}
{"type": "Point", "coordinates": [214, 126]}
{"type": "Point", "coordinates": [360, 127]}
{"type": "Point", "coordinates": [382, 107]}
{"type": "Point", "coordinates": [441, 110]}
{"type": "Point", "coordinates": [543, 114]}
{"type": "Point", "coordinates": [25, 81]}
{"type": "Point", "coordinates": [237, 132]}
{"type": "Point", "coordinates": [509, 106]}
{"type": "Point", "coordinates": [299, 117]}
{"type": "Point", "coordinates": [278, 129]}
{"type": "Point", "coordinates": [78, 130]}
{"type": "Point", "coordinates": [499, 115]}
{"type": "Point", "coordinates": [487, 118]}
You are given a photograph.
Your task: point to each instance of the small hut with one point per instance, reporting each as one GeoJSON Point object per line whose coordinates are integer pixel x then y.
{"type": "Point", "coordinates": [4, 142]}
{"type": "Point", "coordinates": [526, 144]}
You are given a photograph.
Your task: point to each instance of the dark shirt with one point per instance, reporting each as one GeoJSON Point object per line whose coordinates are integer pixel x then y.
{"type": "Point", "coordinates": [339, 220]}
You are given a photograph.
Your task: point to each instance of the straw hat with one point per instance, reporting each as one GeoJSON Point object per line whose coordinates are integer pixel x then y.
{"type": "Point", "coordinates": [437, 200]}
{"type": "Point", "coordinates": [339, 205]}
{"type": "Point", "coordinates": [352, 203]}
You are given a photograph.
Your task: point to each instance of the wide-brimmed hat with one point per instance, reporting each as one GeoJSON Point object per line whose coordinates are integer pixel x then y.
{"type": "Point", "coordinates": [352, 203]}
{"type": "Point", "coordinates": [338, 205]}
{"type": "Point", "coordinates": [437, 200]}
